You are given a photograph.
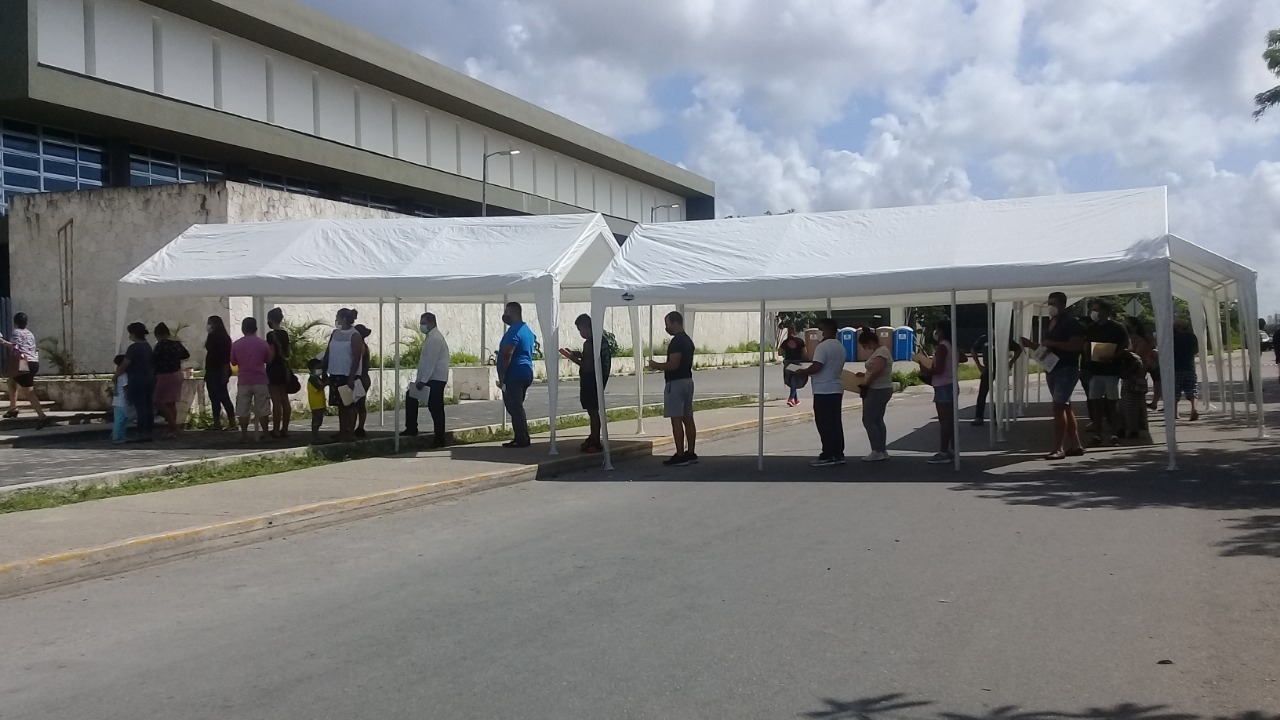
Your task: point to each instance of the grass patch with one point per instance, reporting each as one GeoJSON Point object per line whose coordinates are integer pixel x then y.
{"type": "Point", "coordinates": [750, 346]}
{"type": "Point", "coordinates": [472, 437]}
{"type": "Point", "coordinates": [190, 476]}
{"type": "Point", "coordinates": [911, 379]}
{"type": "Point", "coordinates": [207, 472]}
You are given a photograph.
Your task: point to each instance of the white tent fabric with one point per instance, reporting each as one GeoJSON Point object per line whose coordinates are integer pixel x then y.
{"type": "Point", "coordinates": [545, 259]}
{"type": "Point", "coordinates": [1001, 250]}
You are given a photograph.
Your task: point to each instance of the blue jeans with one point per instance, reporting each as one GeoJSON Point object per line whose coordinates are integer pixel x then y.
{"type": "Point", "coordinates": [513, 393]}
{"type": "Point", "coordinates": [120, 425]}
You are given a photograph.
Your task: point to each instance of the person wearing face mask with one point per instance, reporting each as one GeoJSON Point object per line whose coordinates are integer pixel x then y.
{"type": "Point", "coordinates": [344, 364]}
{"type": "Point", "coordinates": [217, 372]}
{"type": "Point", "coordinates": [515, 371]}
{"type": "Point", "coordinates": [433, 376]}
{"type": "Point", "coordinates": [1064, 341]}
{"type": "Point", "coordinates": [1107, 341]}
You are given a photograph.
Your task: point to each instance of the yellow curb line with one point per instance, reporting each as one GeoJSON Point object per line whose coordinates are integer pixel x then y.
{"type": "Point", "coordinates": [23, 576]}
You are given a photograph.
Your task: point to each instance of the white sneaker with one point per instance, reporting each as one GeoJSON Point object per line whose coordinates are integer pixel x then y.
{"type": "Point", "coordinates": [941, 459]}
{"type": "Point", "coordinates": [876, 457]}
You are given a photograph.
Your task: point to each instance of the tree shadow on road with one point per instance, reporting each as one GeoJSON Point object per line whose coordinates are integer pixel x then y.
{"type": "Point", "coordinates": [898, 706]}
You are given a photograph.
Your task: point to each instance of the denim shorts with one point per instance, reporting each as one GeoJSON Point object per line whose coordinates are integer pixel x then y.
{"type": "Point", "coordinates": [944, 394]}
{"type": "Point", "coordinates": [1062, 383]}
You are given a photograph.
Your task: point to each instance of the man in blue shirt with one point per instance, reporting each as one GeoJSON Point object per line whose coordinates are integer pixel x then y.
{"type": "Point", "coordinates": [515, 371]}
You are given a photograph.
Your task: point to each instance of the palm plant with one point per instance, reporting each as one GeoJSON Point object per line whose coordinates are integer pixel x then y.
{"type": "Point", "coordinates": [303, 345]}
{"type": "Point", "coordinates": [1265, 100]}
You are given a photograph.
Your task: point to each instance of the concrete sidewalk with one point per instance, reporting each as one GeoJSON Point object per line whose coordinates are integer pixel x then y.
{"type": "Point", "coordinates": [41, 548]}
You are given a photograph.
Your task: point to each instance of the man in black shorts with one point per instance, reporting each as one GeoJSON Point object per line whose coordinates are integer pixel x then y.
{"type": "Point", "coordinates": [677, 401]}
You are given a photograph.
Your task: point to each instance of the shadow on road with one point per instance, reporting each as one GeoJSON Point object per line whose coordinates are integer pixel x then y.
{"type": "Point", "coordinates": [892, 707]}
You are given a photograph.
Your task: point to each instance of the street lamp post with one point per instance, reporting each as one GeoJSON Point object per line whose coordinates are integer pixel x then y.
{"type": "Point", "coordinates": [484, 179]}
{"type": "Point", "coordinates": [484, 212]}
{"type": "Point", "coordinates": [653, 211]}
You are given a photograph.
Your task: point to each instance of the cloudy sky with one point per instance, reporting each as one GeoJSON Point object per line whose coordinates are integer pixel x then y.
{"type": "Point", "coordinates": [837, 104]}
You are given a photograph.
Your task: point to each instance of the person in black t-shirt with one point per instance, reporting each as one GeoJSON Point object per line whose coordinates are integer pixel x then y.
{"type": "Point", "coordinates": [792, 350]}
{"type": "Point", "coordinates": [588, 393]}
{"type": "Point", "coordinates": [1107, 340]}
{"type": "Point", "coordinates": [1064, 340]}
{"type": "Point", "coordinates": [678, 393]}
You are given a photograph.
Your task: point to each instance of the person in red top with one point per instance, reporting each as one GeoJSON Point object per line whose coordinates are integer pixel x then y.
{"type": "Point", "coordinates": [251, 354]}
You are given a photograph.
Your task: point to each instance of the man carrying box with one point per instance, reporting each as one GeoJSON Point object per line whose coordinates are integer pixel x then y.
{"type": "Point", "coordinates": [826, 371]}
{"type": "Point", "coordinates": [1106, 338]}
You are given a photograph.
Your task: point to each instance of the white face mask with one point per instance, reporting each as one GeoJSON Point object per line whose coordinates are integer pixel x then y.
{"type": "Point", "coordinates": [1094, 315]}
{"type": "Point", "coordinates": [937, 335]}
{"type": "Point", "coordinates": [337, 325]}
{"type": "Point", "coordinates": [208, 328]}
{"type": "Point", "coordinates": [1053, 311]}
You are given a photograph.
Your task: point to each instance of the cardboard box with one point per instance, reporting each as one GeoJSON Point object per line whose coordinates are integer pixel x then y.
{"type": "Point", "coordinates": [852, 381]}
{"type": "Point", "coordinates": [1102, 352]}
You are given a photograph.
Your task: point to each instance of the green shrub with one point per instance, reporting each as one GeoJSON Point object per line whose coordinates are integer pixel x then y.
{"type": "Point", "coordinates": [462, 359]}
{"type": "Point", "coordinates": [303, 344]}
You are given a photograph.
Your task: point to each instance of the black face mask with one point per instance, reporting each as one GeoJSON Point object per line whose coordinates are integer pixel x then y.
{"type": "Point", "coordinates": [506, 319]}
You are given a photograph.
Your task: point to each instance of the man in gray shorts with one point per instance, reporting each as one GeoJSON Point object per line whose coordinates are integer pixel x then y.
{"type": "Point", "coordinates": [678, 396]}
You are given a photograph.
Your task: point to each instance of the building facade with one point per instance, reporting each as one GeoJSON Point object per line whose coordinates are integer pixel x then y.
{"type": "Point", "coordinates": [116, 94]}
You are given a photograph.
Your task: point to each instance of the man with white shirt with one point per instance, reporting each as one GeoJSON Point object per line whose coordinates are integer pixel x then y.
{"type": "Point", "coordinates": [828, 394]}
{"type": "Point", "coordinates": [433, 376]}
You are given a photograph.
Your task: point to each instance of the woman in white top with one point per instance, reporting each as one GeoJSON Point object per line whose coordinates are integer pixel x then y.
{"type": "Point", "coordinates": [343, 363]}
{"type": "Point", "coordinates": [24, 381]}
{"type": "Point", "coordinates": [877, 390]}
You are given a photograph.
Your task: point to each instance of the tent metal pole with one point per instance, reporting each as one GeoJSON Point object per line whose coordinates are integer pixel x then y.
{"type": "Point", "coordinates": [1244, 355]}
{"type": "Point", "coordinates": [1205, 405]}
{"type": "Point", "coordinates": [1216, 319]}
{"type": "Point", "coordinates": [955, 388]}
{"type": "Point", "coordinates": [828, 311]}
{"type": "Point", "coordinates": [633, 314]}
{"type": "Point", "coordinates": [760, 400]}
{"type": "Point", "coordinates": [1040, 372]}
{"type": "Point", "coordinates": [1225, 324]}
{"type": "Point", "coordinates": [382, 391]}
{"type": "Point", "coordinates": [650, 331]}
{"type": "Point", "coordinates": [992, 391]}
{"type": "Point", "coordinates": [597, 336]}
{"type": "Point", "coordinates": [382, 367]}
{"type": "Point", "coordinates": [484, 317]}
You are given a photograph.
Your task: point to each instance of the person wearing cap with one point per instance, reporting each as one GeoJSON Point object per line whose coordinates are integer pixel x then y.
{"type": "Point", "coordinates": [138, 367]}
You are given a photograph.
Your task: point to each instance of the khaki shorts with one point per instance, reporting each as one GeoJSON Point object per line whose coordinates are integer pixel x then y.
{"type": "Point", "coordinates": [255, 397]}
{"type": "Point", "coordinates": [677, 399]}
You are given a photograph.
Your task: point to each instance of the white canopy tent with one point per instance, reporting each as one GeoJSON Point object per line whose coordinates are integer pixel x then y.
{"type": "Point", "coordinates": [544, 260]}
{"type": "Point", "coordinates": [998, 252]}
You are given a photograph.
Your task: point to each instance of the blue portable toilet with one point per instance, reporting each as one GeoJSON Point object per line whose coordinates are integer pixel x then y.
{"type": "Point", "coordinates": [904, 343]}
{"type": "Point", "coordinates": [849, 339]}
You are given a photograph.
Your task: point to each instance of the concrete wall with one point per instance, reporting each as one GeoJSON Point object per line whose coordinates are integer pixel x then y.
{"type": "Point", "coordinates": [116, 229]}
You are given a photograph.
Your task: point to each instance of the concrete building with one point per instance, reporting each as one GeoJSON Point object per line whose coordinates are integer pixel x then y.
{"type": "Point", "coordinates": [104, 103]}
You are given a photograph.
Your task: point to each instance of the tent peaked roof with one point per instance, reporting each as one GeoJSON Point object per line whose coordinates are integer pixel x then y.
{"type": "Point", "coordinates": [441, 260]}
{"type": "Point", "coordinates": [908, 254]}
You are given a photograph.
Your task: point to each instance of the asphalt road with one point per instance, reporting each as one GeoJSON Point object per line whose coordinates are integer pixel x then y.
{"type": "Point", "coordinates": [37, 458]}
{"type": "Point", "coordinates": [895, 591]}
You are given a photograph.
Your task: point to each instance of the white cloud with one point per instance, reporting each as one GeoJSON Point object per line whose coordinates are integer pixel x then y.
{"type": "Point", "coordinates": [967, 97]}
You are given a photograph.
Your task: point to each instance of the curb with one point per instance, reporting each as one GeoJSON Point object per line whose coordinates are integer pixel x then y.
{"type": "Point", "coordinates": [332, 451]}
{"type": "Point", "coordinates": [29, 575]}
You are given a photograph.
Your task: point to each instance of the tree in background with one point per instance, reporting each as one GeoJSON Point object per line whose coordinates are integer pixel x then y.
{"type": "Point", "coordinates": [1265, 100]}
